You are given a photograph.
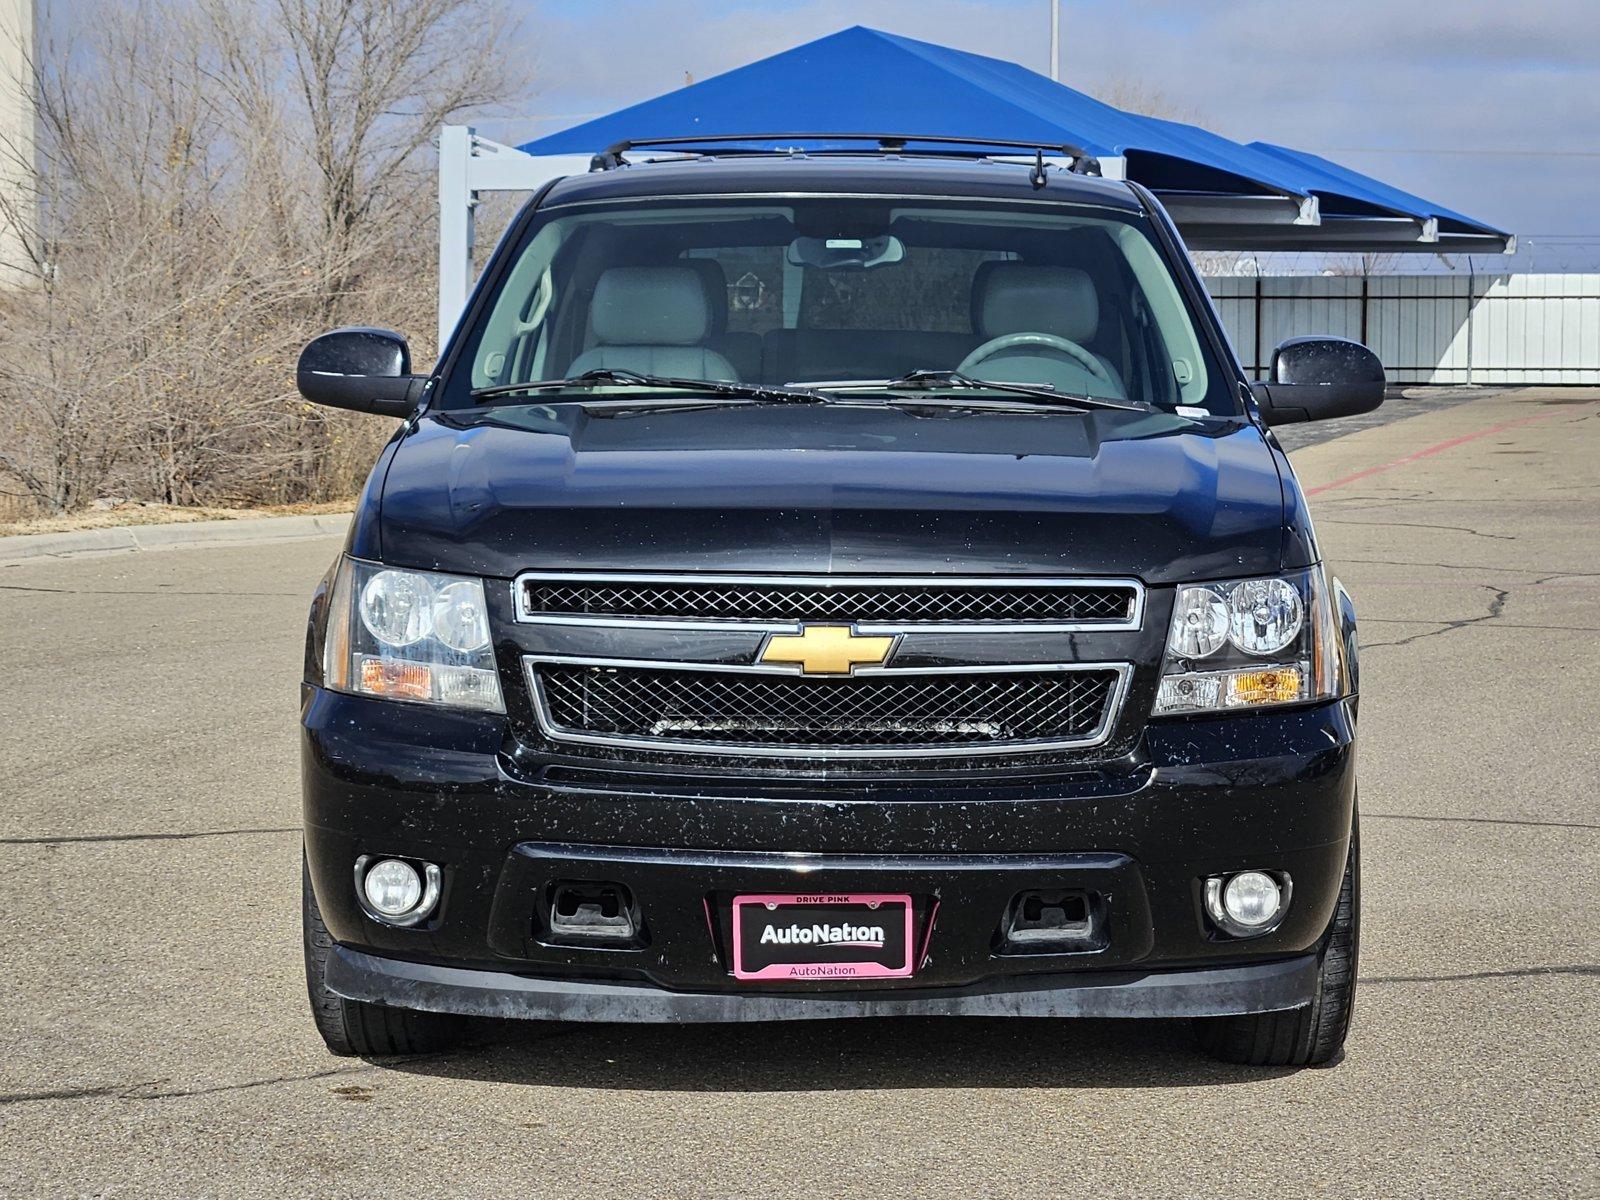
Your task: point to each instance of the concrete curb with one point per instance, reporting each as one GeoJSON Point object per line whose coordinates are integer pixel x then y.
{"type": "Point", "coordinates": [126, 538]}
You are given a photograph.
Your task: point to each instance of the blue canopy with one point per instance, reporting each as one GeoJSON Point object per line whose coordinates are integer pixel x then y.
{"type": "Point", "coordinates": [864, 81]}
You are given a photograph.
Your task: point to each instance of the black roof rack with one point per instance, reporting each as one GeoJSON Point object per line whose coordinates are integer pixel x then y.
{"type": "Point", "coordinates": [1083, 163]}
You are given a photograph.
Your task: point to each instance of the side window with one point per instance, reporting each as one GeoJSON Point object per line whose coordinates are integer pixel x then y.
{"type": "Point", "coordinates": [514, 336]}
{"type": "Point", "coordinates": [1179, 345]}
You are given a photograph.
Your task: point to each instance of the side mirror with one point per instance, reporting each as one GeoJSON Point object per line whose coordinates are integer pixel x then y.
{"type": "Point", "coordinates": [368, 370]}
{"type": "Point", "coordinates": [1315, 378]}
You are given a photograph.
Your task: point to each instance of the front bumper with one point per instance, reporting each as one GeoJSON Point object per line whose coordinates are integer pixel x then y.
{"type": "Point", "coordinates": [1196, 992]}
{"type": "Point", "coordinates": [1202, 796]}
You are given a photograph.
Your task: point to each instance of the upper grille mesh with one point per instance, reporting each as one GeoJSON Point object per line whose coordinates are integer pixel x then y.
{"type": "Point", "coordinates": [864, 712]}
{"type": "Point", "coordinates": [1110, 603]}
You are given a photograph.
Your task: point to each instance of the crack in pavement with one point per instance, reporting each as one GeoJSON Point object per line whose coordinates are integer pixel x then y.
{"type": "Point", "coordinates": [151, 1089]}
{"type": "Point", "coordinates": [1366, 816]}
{"type": "Point", "coordinates": [248, 1084]}
{"type": "Point", "coordinates": [1511, 973]}
{"type": "Point", "coordinates": [1390, 500]}
{"type": "Point", "coordinates": [1499, 537]}
{"type": "Point", "coordinates": [1566, 575]}
{"type": "Point", "coordinates": [1403, 562]}
{"type": "Point", "coordinates": [69, 839]}
{"type": "Point", "coordinates": [61, 1094]}
{"type": "Point", "coordinates": [148, 1090]}
{"type": "Point", "coordinates": [1496, 607]}
{"type": "Point", "coordinates": [56, 591]}
{"type": "Point", "coordinates": [1498, 625]}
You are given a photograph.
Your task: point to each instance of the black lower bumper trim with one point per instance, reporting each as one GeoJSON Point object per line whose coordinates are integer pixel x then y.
{"type": "Point", "coordinates": [1195, 992]}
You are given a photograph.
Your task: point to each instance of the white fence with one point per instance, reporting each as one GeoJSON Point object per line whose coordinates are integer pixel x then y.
{"type": "Point", "coordinates": [1457, 329]}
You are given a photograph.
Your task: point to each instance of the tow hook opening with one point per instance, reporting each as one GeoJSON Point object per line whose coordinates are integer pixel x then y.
{"type": "Point", "coordinates": [592, 914]}
{"type": "Point", "coordinates": [1068, 921]}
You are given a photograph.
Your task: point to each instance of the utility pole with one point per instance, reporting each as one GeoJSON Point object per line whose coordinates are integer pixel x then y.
{"type": "Point", "coordinates": [1055, 40]}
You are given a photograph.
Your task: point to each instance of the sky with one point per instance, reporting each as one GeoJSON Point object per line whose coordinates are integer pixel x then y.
{"type": "Point", "coordinates": [1490, 107]}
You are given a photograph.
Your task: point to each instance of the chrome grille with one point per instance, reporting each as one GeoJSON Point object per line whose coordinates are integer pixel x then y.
{"type": "Point", "coordinates": [1096, 603]}
{"type": "Point", "coordinates": [887, 714]}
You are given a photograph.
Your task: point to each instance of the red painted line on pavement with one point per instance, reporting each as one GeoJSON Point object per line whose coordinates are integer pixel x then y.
{"type": "Point", "coordinates": [1430, 450]}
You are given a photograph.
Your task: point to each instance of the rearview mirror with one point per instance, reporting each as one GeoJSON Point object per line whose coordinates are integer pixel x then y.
{"type": "Point", "coordinates": [1315, 378]}
{"type": "Point", "coordinates": [367, 370]}
{"type": "Point", "coordinates": [833, 253]}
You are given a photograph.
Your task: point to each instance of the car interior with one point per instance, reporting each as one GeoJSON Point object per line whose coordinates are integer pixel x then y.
{"type": "Point", "coordinates": [842, 292]}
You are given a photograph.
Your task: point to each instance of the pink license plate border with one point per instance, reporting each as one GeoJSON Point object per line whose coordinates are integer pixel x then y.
{"type": "Point", "coordinates": [801, 900]}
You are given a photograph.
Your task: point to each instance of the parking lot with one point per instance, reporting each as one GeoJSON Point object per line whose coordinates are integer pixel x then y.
{"type": "Point", "coordinates": [156, 1039]}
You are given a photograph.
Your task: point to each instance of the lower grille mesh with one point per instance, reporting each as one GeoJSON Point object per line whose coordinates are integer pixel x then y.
{"type": "Point", "coordinates": [752, 711]}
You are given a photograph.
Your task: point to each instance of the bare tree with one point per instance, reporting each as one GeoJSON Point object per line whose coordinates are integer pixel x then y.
{"type": "Point", "coordinates": [219, 179]}
{"type": "Point", "coordinates": [362, 87]}
{"type": "Point", "coordinates": [1141, 96]}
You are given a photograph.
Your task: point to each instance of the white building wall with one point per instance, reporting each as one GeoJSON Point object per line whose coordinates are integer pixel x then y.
{"type": "Point", "coordinates": [1440, 329]}
{"type": "Point", "coordinates": [17, 184]}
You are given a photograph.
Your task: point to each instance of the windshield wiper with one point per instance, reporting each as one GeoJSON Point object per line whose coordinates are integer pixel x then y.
{"type": "Point", "coordinates": [934, 380]}
{"type": "Point", "coordinates": [617, 377]}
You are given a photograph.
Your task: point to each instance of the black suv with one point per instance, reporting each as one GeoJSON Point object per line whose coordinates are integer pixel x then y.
{"type": "Point", "coordinates": [833, 584]}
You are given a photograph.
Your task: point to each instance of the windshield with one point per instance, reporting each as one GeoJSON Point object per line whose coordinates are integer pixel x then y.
{"type": "Point", "coordinates": [850, 292]}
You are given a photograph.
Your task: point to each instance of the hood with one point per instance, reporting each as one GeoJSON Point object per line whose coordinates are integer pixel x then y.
{"type": "Point", "coordinates": [836, 488]}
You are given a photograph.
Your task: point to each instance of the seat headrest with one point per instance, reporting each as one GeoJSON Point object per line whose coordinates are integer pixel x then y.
{"type": "Point", "coordinates": [1010, 297]}
{"type": "Point", "coordinates": [650, 306]}
{"type": "Point", "coordinates": [715, 281]}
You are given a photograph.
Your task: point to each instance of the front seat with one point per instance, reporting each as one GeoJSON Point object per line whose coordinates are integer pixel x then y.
{"type": "Point", "coordinates": [741, 348]}
{"type": "Point", "coordinates": [1011, 297]}
{"type": "Point", "coordinates": [653, 320]}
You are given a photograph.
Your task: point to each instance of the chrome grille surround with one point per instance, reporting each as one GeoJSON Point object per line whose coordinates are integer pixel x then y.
{"type": "Point", "coordinates": [872, 603]}
{"type": "Point", "coordinates": [692, 682]}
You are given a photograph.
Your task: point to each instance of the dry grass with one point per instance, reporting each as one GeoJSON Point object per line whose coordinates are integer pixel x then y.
{"type": "Point", "coordinates": [136, 512]}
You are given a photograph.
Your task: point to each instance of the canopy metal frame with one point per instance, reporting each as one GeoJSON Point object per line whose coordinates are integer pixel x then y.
{"type": "Point", "coordinates": [471, 165]}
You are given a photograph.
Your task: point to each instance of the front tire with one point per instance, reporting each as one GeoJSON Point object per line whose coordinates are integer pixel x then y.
{"type": "Point", "coordinates": [1313, 1035]}
{"type": "Point", "coordinates": [354, 1027]}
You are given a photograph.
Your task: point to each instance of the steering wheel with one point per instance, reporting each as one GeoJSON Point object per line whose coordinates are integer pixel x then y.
{"type": "Point", "coordinates": [1045, 341]}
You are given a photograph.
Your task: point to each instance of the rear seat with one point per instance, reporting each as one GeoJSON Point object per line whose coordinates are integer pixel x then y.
{"type": "Point", "coordinates": [792, 355]}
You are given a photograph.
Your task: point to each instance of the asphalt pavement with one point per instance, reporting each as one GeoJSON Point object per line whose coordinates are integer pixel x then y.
{"type": "Point", "coordinates": [155, 1039]}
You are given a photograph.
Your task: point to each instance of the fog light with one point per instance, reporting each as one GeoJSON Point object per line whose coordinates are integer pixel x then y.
{"type": "Point", "coordinates": [1251, 898]}
{"type": "Point", "coordinates": [1248, 903]}
{"type": "Point", "coordinates": [395, 891]}
{"type": "Point", "coordinates": [394, 887]}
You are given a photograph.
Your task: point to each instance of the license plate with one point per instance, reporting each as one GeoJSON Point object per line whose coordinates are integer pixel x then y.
{"type": "Point", "coordinates": [801, 937]}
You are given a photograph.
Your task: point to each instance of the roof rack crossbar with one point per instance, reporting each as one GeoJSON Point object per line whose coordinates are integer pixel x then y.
{"type": "Point", "coordinates": [1083, 163]}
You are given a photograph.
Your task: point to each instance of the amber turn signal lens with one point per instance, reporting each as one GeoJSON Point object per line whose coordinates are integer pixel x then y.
{"type": "Point", "coordinates": [1277, 685]}
{"type": "Point", "coordinates": [399, 680]}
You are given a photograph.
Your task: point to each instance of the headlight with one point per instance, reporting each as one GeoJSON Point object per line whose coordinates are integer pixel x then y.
{"type": "Point", "coordinates": [1249, 643]}
{"type": "Point", "coordinates": [460, 619]}
{"type": "Point", "coordinates": [1199, 623]}
{"type": "Point", "coordinates": [1264, 615]}
{"type": "Point", "coordinates": [410, 635]}
{"type": "Point", "coordinates": [394, 607]}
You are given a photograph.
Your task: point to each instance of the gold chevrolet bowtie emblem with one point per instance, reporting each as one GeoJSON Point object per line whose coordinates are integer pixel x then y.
{"type": "Point", "coordinates": [826, 649]}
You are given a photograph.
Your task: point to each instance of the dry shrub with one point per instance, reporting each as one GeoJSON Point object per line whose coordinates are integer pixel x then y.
{"type": "Point", "coordinates": [218, 181]}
